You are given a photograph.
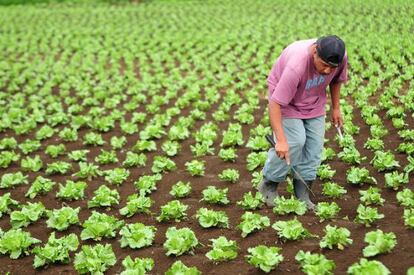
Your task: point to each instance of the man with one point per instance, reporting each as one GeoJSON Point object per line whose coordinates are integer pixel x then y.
{"type": "Point", "coordinates": [297, 95]}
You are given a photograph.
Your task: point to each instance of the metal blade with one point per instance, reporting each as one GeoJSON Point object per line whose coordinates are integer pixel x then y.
{"type": "Point", "coordinates": [301, 179]}
{"type": "Point", "coordinates": [339, 132]}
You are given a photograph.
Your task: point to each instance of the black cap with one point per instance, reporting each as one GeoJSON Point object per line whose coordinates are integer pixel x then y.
{"type": "Point", "coordinates": [331, 49]}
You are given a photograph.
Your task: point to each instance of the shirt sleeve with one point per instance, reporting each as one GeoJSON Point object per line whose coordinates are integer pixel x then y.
{"type": "Point", "coordinates": [342, 74]}
{"type": "Point", "coordinates": [286, 87]}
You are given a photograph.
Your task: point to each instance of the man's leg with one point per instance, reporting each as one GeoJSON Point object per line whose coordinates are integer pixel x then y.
{"type": "Point", "coordinates": [276, 169]}
{"type": "Point", "coordinates": [315, 132]}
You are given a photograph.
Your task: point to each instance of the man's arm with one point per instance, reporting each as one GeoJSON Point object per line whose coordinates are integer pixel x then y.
{"type": "Point", "coordinates": [275, 115]}
{"type": "Point", "coordinates": [336, 118]}
{"type": "Point", "coordinates": [282, 94]}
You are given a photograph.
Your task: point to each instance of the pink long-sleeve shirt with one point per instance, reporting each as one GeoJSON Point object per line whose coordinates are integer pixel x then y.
{"type": "Point", "coordinates": [295, 84]}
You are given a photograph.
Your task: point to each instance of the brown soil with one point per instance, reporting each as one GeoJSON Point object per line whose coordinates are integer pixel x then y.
{"type": "Point", "coordinates": [404, 251]}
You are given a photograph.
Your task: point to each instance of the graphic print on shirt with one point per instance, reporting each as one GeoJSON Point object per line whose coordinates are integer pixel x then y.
{"type": "Point", "coordinates": [315, 82]}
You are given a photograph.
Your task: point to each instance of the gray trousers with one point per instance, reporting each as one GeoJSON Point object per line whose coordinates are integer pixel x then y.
{"type": "Point", "coordinates": [305, 138]}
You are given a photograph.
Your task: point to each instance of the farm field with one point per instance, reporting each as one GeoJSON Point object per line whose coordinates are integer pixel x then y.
{"type": "Point", "coordinates": [132, 138]}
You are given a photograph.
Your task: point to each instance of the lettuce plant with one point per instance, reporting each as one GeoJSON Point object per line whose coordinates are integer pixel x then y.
{"type": "Point", "coordinates": [171, 148]}
{"type": "Point", "coordinates": [378, 131]}
{"type": "Point", "coordinates": [406, 198]}
{"type": "Point", "coordinates": [195, 167]}
{"type": "Point", "coordinates": [179, 241]}
{"type": "Point", "coordinates": [40, 185]}
{"type": "Point", "coordinates": [29, 146]}
{"type": "Point", "coordinates": [8, 143]}
{"type": "Point", "coordinates": [233, 136]}
{"type": "Point", "coordinates": [255, 160]}
{"type": "Point", "coordinates": [72, 190]}
{"type": "Point", "coordinates": [211, 218]}
{"type": "Point", "coordinates": [257, 143]}
{"type": "Point", "coordinates": [257, 177]}
{"type": "Point", "coordinates": [106, 157]}
{"type": "Point", "coordinates": [128, 127]}
{"type": "Point", "coordinates": [378, 243]}
{"type": "Point", "coordinates": [179, 268]}
{"type": "Point", "coordinates": [333, 190]}
{"type": "Point", "coordinates": [222, 250]}
{"type": "Point", "coordinates": [250, 202]}
{"type": "Point", "coordinates": [207, 134]}
{"type": "Point", "coordinates": [314, 263]}
{"type": "Point", "coordinates": [78, 155]}
{"type": "Point", "coordinates": [215, 196]}
{"type": "Point", "coordinates": [61, 219]}
{"type": "Point", "coordinates": [406, 148]}
{"type": "Point", "coordinates": [55, 150]}
{"type": "Point", "coordinates": [144, 145]}
{"type": "Point", "coordinates": [395, 180]}
{"type": "Point", "coordinates": [264, 257]}
{"type": "Point", "coordinates": [137, 266]}
{"type": "Point", "coordinates": [45, 132]}
{"type": "Point", "coordinates": [7, 157]}
{"type": "Point", "coordinates": [87, 171]}
{"type": "Point", "coordinates": [325, 172]}
{"type": "Point", "coordinates": [367, 215]}
{"type": "Point", "coordinates": [181, 189]}
{"type": "Point", "coordinates": [58, 167]}
{"type": "Point", "coordinates": [173, 210]}
{"type": "Point", "coordinates": [118, 142]}
{"type": "Point", "coordinates": [291, 230]}
{"type": "Point", "coordinates": [68, 134]}
{"type": "Point", "coordinates": [384, 161]}
{"type": "Point", "coordinates": [16, 242]}
{"type": "Point", "coordinates": [163, 164]}
{"type": "Point", "coordinates": [335, 236]}
{"type": "Point", "coordinates": [5, 204]}
{"type": "Point", "coordinates": [368, 267]}
{"type": "Point", "coordinates": [100, 225]}
{"type": "Point", "coordinates": [359, 176]}
{"type": "Point", "coordinates": [32, 164]}
{"type": "Point", "coordinates": [133, 160]}
{"type": "Point", "coordinates": [285, 206]}
{"type": "Point", "coordinates": [407, 134]}
{"type": "Point", "coordinates": [327, 154]}
{"type": "Point", "coordinates": [408, 217]}
{"type": "Point", "coordinates": [326, 210]}
{"type": "Point", "coordinates": [27, 215]}
{"type": "Point", "coordinates": [104, 197]}
{"type": "Point", "coordinates": [137, 235]}
{"type": "Point", "coordinates": [374, 144]}
{"type": "Point", "coordinates": [147, 183]}
{"type": "Point", "coordinates": [371, 196]}
{"type": "Point", "coordinates": [201, 149]}
{"type": "Point", "coordinates": [93, 139]}
{"type": "Point", "coordinates": [12, 179]}
{"type": "Point", "coordinates": [351, 155]}
{"type": "Point", "coordinates": [116, 176]}
{"type": "Point", "coordinates": [231, 175]}
{"type": "Point", "coordinates": [228, 154]}
{"type": "Point", "coordinates": [178, 132]}
{"type": "Point", "coordinates": [55, 250]}
{"type": "Point", "coordinates": [136, 204]}
{"type": "Point", "coordinates": [94, 259]}
{"type": "Point", "coordinates": [251, 222]}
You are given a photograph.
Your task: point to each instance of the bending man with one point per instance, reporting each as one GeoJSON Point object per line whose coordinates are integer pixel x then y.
{"type": "Point", "coordinates": [297, 95]}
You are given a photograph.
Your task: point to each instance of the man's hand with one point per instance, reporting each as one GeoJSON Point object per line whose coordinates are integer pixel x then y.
{"type": "Point", "coordinates": [337, 118]}
{"type": "Point", "coordinates": [282, 150]}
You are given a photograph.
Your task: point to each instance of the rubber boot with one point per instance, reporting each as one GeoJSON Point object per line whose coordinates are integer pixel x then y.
{"type": "Point", "coordinates": [302, 192]}
{"type": "Point", "coordinates": [269, 191]}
